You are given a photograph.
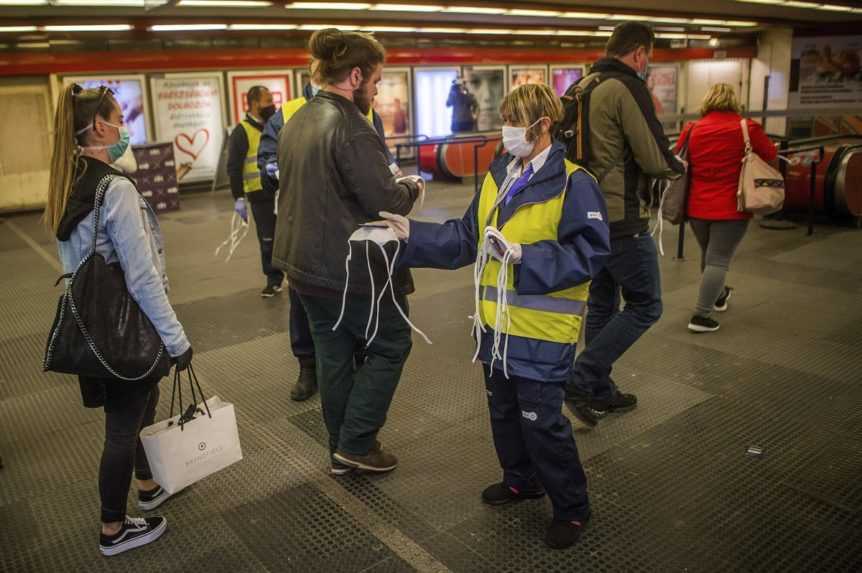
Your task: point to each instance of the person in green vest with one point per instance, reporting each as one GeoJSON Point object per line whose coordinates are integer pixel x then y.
{"type": "Point", "coordinates": [246, 184]}
{"type": "Point", "coordinates": [537, 234]}
{"type": "Point", "coordinates": [301, 343]}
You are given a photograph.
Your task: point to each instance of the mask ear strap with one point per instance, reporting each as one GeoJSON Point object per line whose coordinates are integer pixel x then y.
{"type": "Point", "coordinates": [346, 285]}
{"type": "Point", "coordinates": [398, 306]}
{"type": "Point", "coordinates": [373, 291]}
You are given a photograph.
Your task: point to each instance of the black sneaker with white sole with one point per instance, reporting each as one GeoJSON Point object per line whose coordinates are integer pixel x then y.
{"type": "Point", "coordinates": [721, 303]}
{"type": "Point", "coordinates": [270, 290]}
{"type": "Point", "coordinates": [339, 469]}
{"type": "Point", "coordinates": [586, 417]}
{"type": "Point", "coordinates": [135, 532]}
{"type": "Point", "coordinates": [702, 324]}
{"type": "Point", "coordinates": [150, 500]}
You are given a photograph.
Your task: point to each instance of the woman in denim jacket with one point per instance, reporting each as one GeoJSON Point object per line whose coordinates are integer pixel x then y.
{"type": "Point", "coordinates": [89, 136]}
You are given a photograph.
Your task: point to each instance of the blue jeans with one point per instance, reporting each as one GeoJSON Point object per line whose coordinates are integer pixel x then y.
{"type": "Point", "coordinates": [631, 271]}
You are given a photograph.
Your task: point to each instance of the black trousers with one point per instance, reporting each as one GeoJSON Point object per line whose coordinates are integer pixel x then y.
{"type": "Point", "coordinates": [301, 342]}
{"type": "Point", "coordinates": [534, 439]}
{"type": "Point", "coordinates": [129, 407]}
{"type": "Point", "coordinates": [355, 400]}
{"type": "Point", "coordinates": [263, 210]}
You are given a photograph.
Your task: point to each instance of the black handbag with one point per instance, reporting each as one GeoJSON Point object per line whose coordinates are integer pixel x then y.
{"type": "Point", "coordinates": [99, 330]}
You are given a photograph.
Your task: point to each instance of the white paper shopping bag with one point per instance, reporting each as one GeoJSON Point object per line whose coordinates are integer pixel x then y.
{"type": "Point", "coordinates": [182, 455]}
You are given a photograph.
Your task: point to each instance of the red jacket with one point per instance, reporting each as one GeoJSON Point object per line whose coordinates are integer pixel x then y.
{"type": "Point", "coordinates": [715, 152]}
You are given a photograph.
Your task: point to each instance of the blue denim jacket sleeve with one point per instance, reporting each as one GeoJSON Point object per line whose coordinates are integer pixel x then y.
{"type": "Point", "coordinates": [267, 151]}
{"type": "Point", "coordinates": [582, 245]}
{"type": "Point", "coordinates": [125, 223]}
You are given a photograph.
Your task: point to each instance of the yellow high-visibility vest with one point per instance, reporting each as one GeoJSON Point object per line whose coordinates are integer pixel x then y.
{"type": "Point", "coordinates": [250, 173]}
{"type": "Point", "coordinates": [555, 316]}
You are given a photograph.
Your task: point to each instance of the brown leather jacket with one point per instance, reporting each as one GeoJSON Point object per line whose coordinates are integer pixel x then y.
{"type": "Point", "coordinates": [333, 176]}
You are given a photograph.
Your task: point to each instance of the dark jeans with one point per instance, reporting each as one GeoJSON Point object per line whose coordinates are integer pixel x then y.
{"type": "Point", "coordinates": [534, 439]}
{"type": "Point", "coordinates": [301, 342]}
{"type": "Point", "coordinates": [129, 407]}
{"type": "Point", "coordinates": [631, 271]}
{"type": "Point", "coordinates": [355, 401]}
{"type": "Point", "coordinates": [263, 211]}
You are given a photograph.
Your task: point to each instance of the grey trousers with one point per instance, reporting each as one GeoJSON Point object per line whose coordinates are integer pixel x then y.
{"type": "Point", "coordinates": [718, 241]}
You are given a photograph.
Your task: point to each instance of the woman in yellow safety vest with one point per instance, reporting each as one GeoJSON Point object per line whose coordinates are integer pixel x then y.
{"type": "Point", "coordinates": [537, 232]}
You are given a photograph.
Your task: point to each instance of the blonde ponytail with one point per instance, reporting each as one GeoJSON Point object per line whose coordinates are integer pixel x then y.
{"type": "Point", "coordinates": [64, 158]}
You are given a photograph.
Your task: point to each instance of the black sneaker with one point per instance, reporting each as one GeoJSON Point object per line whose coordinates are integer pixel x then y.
{"type": "Point", "coordinates": [702, 324]}
{"type": "Point", "coordinates": [135, 532]}
{"type": "Point", "coordinates": [564, 534]}
{"type": "Point", "coordinates": [339, 469]}
{"type": "Point", "coordinates": [375, 461]}
{"type": "Point", "coordinates": [150, 500]}
{"type": "Point", "coordinates": [721, 303]}
{"type": "Point", "coordinates": [586, 416]}
{"type": "Point", "coordinates": [501, 494]}
{"type": "Point", "coordinates": [617, 404]}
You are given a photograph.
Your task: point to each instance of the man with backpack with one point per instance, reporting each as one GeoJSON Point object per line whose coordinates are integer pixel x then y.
{"type": "Point", "coordinates": [611, 128]}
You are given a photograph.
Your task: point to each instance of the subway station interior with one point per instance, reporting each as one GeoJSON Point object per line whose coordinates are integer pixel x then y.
{"type": "Point", "coordinates": [736, 448]}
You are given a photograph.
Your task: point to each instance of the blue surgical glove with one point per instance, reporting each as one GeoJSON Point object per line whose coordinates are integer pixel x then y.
{"type": "Point", "coordinates": [272, 170]}
{"type": "Point", "coordinates": [241, 209]}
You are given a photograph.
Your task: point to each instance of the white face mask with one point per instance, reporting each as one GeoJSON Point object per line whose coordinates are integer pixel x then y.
{"type": "Point", "coordinates": [515, 139]}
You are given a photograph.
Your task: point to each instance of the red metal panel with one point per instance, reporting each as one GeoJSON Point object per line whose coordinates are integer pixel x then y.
{"type": "Point", "coordinates": [29, 63]}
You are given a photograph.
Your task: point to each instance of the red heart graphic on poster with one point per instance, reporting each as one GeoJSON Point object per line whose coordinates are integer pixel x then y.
{"type": "Point", "coordinates": [187, 144]}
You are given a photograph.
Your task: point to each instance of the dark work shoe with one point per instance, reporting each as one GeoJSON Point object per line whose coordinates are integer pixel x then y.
{"type": "Point", "coordinates": [501, 494]}
{"type": "Point", "coordinates": [702, 324]}
{"type": "Point", "coordinates": [306, 384]}
{"type": "Point", "coordinates": [586, 416]}
{"type": "Point", "coordinates": [376, 460]}
{"type": "Point", "coordinates": [135, 532]}
{"type": "Point", "coordinates": [150, 500]}
{"type": "Point", "coordinates": [619, 403]}
{"type": "Point", "coordinates": [564, 534]}
{"type": "Point", "coordinates": [721, 302]}
{"type": "Point", "coordinates": [269, 291]}
{"type": "Point", "coordinates": [339, 469]}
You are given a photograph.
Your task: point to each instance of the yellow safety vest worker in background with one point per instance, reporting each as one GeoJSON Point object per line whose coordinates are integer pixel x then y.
{"type": "Point", "coordinates": [250, 173]}
{"type": "Point", "coordinates": [555, 316]}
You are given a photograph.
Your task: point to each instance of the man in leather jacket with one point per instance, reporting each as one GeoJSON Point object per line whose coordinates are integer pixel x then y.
{"type": "Point", "coordinates": [334, 177]}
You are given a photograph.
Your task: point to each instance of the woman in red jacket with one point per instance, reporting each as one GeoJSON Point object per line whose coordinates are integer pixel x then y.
{"type": "Point", "coordinates": [715, 151]}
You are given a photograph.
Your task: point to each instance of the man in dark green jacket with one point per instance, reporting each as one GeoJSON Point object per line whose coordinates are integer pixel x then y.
{"type": "Point", "coordinates": [626, 148]}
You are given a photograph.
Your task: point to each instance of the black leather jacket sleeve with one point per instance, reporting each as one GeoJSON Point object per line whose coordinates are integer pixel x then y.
{"type": "Point", "coordinates": [364, 168]}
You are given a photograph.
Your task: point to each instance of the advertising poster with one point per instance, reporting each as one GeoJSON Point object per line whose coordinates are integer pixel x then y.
{"type": "Point", "coordinates": [829, 72]}
{"type": "Point", "coordinates": [433, 87]}
{"type": "Point", "coordinates": [520, 75]}
{"type": "Point", "coordinates": [562, 78]}
{"type": "Point", "coordinates": [393, 102]}
{"type": "Point", "coordinates": [661, 82]}
{"type": "Point", "coordinates": [278, 82]}
{"type": "Point", "coordinates": [188, 112]}
{"type": "Point", "coordinates": [487, 84]}
{"type": "Point", "coordinates": [129, 92]}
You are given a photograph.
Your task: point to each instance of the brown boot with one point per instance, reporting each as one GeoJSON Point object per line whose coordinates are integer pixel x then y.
{"type": "Point", "coordinates": [376, 460]}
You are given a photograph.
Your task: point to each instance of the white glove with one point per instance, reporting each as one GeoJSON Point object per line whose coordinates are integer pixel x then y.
{"type": "Point", "coordinates": [399, 224]}
{"type": "Point", "coordinates": [500, 246]}
{"type": "Point", "coordinates": [421, 183]}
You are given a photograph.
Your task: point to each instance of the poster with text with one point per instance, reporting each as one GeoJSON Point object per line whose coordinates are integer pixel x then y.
{"type": "Point", "coordinates": [392, 102]}
{"type": "Point", "coordinates": [661, 82]}
{"type": "Point", "coordinates": [520, 75]}
{"type": "Point", "coordinates": [827, 72]}
{"type": "Point", "coordinates": [129, 92]}
{"type": "Point", "coordinates": [188, 113]}
{"type": "Point", "coordinates": [277, 82]}
{"type": "Point", "coordinates": [487, 84]}
{"type": "Point", "coordinates": [563, 77]}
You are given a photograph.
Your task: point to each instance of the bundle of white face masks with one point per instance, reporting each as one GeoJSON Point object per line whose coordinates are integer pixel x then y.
{"type": "Point", "coordinates": [238, 231]}
{"type": "Point", "coordinates": [380, 236]}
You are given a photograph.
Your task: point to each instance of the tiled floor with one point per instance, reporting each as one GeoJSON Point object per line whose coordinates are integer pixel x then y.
{"type": "Point", "coordinates": [672, 486]}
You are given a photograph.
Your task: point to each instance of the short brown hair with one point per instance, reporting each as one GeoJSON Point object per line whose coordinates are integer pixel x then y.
{"type": "Point", "coordinates": [720, 97]}
{"type": "Point", "coordinates": [628, 37]}
{"type": "Point", "coordinates": [339, 52]}
{"type": "Point", "coordinates": [528, 103]}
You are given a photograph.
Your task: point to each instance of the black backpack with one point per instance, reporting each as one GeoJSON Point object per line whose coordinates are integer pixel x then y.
{"type": "Point", "coordinates": [573, 130]}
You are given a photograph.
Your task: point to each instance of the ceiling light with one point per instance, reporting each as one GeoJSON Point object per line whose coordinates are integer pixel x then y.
{"type": "Point", "coordinates": [18, 29]}
{"type": "Point", "coordinates": [327, 6]}
{"type": "Point", "coordinates": [837, 8]}
{"type": "Point", "coordinates": [540, 13]}
{"type": "Point", "coordinates": [603, 34]}
{"type": "Point", "coordinates": [474, 10]}
{"type": "Point", "coordinates": [499, 31]}
{"type": "Point", "coordinates": [800, 4]}
{"type": "Point", "coordinates": [575, 32]}
{"type": "Point", "coordinates": [683, 36]}
{"type": "Point", "coordinates": [406, 8]}
{"type": "Point", "coordinates": [442, 30]}
{"type": "Point", "coordinates": [740, 23]}
{"type": "Point", "coordinates": [224, 3]}
{"type": "Point", "coordinates": [713, 42]}
{"type": "Point", "coordinates": [534, 32]}
{"type": "Point", "coordinates": [106, 3]}
{"type": "Point", "coordinates": [32, 45]}
{"type": "Point", "coordinates": [665, 19]}
{"type": "Point", "coordinates": [585, 15]}
{"type": "Point", "coordinates": [186, 27]}
{"type": "Point", "coordinates": [313, 27]}
{"type": "Point", "coordinates": [23, 3]}
{"type": "Point", "coordinates": [715, 29]}
{"type": "Point", "coordinates": [89, 28]}
{"type": "Point", "coordinates": [669, 29]}
{"type": "Point", "coordinates": [261, 27]}
{"type": "Point", "coordinates": [385, 29]}
{"type": "Point", "coordinates": [762, 1]}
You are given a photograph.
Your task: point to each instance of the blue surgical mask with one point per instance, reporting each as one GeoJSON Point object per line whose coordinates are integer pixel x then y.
{"type": "Point", "coordinates": [314, 90]}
